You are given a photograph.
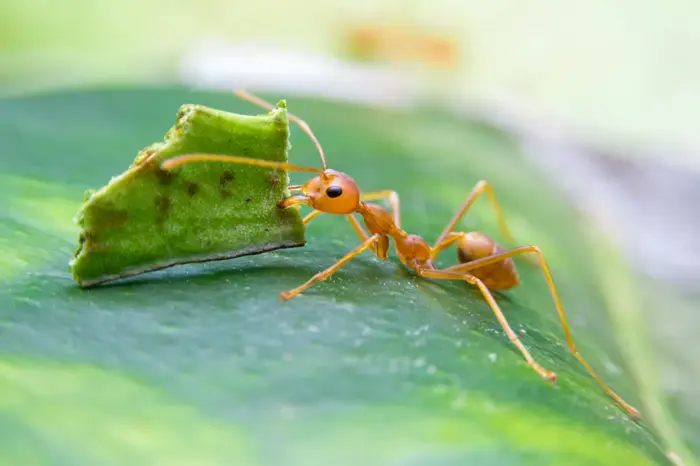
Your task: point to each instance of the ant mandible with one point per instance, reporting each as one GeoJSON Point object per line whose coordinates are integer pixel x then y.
{"type": "Point", "coordinates": [482, 262]}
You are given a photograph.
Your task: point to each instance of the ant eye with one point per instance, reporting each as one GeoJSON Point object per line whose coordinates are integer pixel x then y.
{"type": "Point", "coordinates": [334, 191]}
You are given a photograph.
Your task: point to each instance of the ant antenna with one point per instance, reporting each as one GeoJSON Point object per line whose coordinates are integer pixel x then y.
{"type": "Point", "coordinates": [302, 124]}
{"type": "Point", "coordinates": [181, 159]}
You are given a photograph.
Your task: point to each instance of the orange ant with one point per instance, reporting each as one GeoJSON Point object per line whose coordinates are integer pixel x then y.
{"type": "Point", "coordinates": [482, 262]}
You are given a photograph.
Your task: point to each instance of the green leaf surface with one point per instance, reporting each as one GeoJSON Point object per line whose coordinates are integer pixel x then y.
{"type": "Point", "coordinates": [148, 218]}
{"type": "Point", "coordinates": [202, 364]}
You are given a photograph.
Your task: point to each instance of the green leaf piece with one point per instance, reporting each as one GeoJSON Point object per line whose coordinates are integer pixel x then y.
{"type": "Point", "coordinates": [202, 364]}
{"type": "Point", "coordinates": [148, 218]}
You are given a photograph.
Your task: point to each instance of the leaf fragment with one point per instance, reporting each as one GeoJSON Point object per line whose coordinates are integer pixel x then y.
{"type": "Point", "coordinates": [148, 219]}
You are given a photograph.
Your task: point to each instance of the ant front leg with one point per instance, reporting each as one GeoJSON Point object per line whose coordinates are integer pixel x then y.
{"type": "Point", "coordinates": [380, 248]}
{"type": "Point", "coordinates": [311, 216]}
{"type": "Point", "coordinates": [307, 219]}
{"type": "Point", "coordinates": [330, 270]}
{"type": "Point", "coordinates": [557, 304]}
{"type": "Point", "coordinates": [450, 275]}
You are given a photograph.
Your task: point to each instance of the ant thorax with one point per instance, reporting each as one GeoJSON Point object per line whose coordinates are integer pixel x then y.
{"type": "Point", "coordinates": [377, 219]}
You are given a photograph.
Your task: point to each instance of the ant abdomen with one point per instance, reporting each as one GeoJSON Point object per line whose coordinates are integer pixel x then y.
{"type": "Point", "coordinates": [501, 275]}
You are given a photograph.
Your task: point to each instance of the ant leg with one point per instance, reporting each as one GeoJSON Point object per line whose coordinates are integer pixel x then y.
{"type": "Point", "coordinates": [320, 276]}
{"type": "Point", "coordinates": [380, 248]}
{"type": "Point", "coordinates": [357, 226]}
{"type": "Point", "coordinates": [448, 275]}
{"type": "Point", "coordinates": [560, 311]}
{"type": "Point", "coordinates": [446, 242]}
{"type": "Point", "coordinates": [311, 216]}
{"type": "Point", "coordinates": [480, 187]}
{"type": "Point", "coordinates": [393, 202]}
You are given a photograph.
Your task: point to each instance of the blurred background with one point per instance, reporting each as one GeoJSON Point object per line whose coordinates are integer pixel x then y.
{"type": "Point", "coordinates": [604, 96]}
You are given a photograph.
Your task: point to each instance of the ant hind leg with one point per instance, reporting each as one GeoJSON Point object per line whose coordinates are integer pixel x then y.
{"type": "Point", "coordinates": [449, 275]}
{"type": "Point", "coordinates": [479, 188]}
{"type": "Point", "coordinates": [465, 267]}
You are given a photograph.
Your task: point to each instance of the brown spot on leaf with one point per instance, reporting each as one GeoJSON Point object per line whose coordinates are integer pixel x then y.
{"type": "Point", "coordinates": [164, 177]}
{"type": "Point", "coordinates": [192, 189]}
{"type": "Point", "coordinates": [249, 199]}
{"type": "Point", "coordinates": [89, 241]}
{"type": "Point", "coordinates": [106, 216]}
{"type": "Point", "coordinates": [226, 178]}
{"type": "Point", "coordinates": [162, 204]}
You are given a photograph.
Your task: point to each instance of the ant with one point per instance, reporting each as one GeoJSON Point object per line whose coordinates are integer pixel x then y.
{"type": "Point", "coordinates": [482, 262]}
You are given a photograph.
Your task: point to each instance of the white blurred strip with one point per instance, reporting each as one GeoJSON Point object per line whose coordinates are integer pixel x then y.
{"type": "Point", "coordinates": [216, 64]}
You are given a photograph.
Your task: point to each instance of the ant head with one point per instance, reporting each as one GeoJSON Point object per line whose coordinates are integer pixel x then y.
{"type": "Point", "coordinates": [333, 193]}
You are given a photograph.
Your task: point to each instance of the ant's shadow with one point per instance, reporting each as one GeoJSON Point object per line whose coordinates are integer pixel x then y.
{"type": "Point", "coordinates": [458, 299]}
{"type": "Point", "coordinates": [202, 274]}
{"type": "Point", "coordinates": [446, 290]}
{"type": "Point", "coordinates": [281, 272]}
